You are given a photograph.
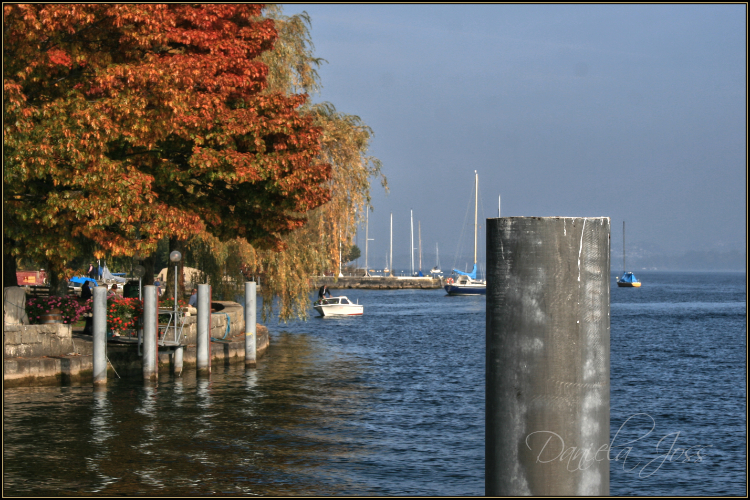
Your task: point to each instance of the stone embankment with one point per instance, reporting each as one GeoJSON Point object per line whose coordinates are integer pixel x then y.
{"type": "Point", "coordinates": [378, 282]}
{"type": "Point", "coordinates": [55, 354]}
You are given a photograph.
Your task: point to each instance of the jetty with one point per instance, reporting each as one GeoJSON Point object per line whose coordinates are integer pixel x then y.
{"type": "Point", "coordinates": [60, 354]}
{"type": "Point", "coordinates": [378, 282]}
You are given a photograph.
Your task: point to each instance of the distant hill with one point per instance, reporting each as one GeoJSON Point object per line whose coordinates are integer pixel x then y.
{"type": "Point", "coordinates": [638, 259]}
{"type": "Point", "coordinates": [707, 260]}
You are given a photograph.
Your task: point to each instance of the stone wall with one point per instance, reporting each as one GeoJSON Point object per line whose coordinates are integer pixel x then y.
{"type": "Point", "coordinates": [43, 354]}
{"type": "Point", "coordinates": [33, 341]}
{"type": "Point", "coordinates": [66, 370]}
{"type": "Point", "coordinates": [55, 339]}
{"type": "Point", "coordinates": [233, 310]}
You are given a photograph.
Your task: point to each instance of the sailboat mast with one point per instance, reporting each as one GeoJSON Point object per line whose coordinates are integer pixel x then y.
{"type": "Point", "coordinates": [624, 269]}
{"type": "Point", "coordinates": [476, 195]}
{"type": "Point", "coordinates": [419, 225]}
{"type": "Point", "coordinates": [367, 240]}
{"type": "Point", "coordinates": [411, 251]}
{"type": "Point", "coordinates": [390, 267]}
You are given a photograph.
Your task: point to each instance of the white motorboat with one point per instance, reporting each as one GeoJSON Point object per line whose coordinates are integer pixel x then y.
{"type": "Point", "coordinates": [338, 306]}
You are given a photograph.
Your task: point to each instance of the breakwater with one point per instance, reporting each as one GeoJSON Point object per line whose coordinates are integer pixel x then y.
{"type": "Point", "coordinates": [378, 282]}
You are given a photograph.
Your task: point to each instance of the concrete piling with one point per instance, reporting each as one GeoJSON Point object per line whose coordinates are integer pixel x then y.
{"type": "Point", "coordinates": [204, 329]}
{"type": "Point", "coordinates": [150, 326]}
{"type": "Point", "coordinates": [99, 310]}
{"type": "Point", "coordinates": [178, 355]}
{"type": "Point", "coordinates": [547, 385]}
{"type": "Point", "coordinates": [250, 315]}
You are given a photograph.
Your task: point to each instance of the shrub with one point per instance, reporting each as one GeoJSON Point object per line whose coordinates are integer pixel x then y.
{"type": "Point", "coordinates": [70, 308]}
{"type": "Point", "coordinates": [123, 314]}
{"type": "Point", "coordinates": [169, 303]}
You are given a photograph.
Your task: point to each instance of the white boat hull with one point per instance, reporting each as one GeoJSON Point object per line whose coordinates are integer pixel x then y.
{"type": "Point", "coordinates": [333, 307]}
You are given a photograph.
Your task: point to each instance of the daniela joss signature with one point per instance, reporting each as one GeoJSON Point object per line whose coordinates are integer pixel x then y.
{"type": "Point", "coordinates": [579, 458]}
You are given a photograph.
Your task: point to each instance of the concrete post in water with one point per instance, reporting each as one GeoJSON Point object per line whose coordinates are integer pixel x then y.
{"type": "Point", "coordinates": [204, 331]}
{"type": "Point", "coordinates": [547, 386]}
{"type": "Point", "coordinates": [178, 352]}
{"type": "Point", "coordinates": [150, 372]}
{"type": "Point", "coordinates": [99, 311]}
{"type": "Point", "coordinates": [250, 315]}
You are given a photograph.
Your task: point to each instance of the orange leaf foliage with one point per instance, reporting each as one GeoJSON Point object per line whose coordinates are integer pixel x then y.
{"type": "Point", "coordinates": [128, 123]}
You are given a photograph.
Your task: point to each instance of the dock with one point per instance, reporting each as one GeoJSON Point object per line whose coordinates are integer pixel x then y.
{"type": "Point", "coordinates": [378, 282]}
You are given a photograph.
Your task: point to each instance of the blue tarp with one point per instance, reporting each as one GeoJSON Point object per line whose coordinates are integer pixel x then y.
{"type": "Point", "coordinates": [82, 280]}
{"type": "Point", "coordinates": [628, 278]}
{"type": "Point", "coordinates": [472, 274]}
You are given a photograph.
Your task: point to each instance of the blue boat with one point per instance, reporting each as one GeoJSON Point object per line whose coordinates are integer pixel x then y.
{"type": "Point", "coordinates": [467, 283]}
{"type": "Point", "coordinates": [627, 279]}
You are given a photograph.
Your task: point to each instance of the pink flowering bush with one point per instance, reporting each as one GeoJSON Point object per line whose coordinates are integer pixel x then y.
{"type": "Point", "coordinates": [69, 307]}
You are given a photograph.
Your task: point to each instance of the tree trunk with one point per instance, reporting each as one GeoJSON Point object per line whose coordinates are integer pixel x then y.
{"type": "Point", "coordinates": [175, 244]}
{"type": "Point", "coordinates": [148, 264]}
{"type": "Point", "coordinates": [57, 287]}
{"type": "Point", "coordinates": [9, 268]}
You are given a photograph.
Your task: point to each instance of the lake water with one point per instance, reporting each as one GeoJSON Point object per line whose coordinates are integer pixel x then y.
{"type": "Point", "coordinates": [392, 403]}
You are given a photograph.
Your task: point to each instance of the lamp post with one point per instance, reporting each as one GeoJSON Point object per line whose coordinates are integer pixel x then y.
{"type": "Point", "coordinates": [175, 256]}
{"type": "Point", "coordinates": [139, 271]}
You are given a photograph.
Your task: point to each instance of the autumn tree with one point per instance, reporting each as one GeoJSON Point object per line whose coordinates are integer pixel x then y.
{"type": "Point", "coordinates": [344, 140]}
{"type": "Point", "coordinates": [126, 124]}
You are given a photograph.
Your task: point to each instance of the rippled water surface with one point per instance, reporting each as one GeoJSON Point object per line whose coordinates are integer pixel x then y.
{"type": "Point", "coordinates": [392, 403]}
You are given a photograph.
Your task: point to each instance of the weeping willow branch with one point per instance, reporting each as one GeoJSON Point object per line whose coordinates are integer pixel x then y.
{"type": "Point", "coordinates": [286, 276]}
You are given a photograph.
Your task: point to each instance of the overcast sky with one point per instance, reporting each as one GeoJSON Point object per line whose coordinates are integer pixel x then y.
{"type": "Point", "coordinates": [635, 112]}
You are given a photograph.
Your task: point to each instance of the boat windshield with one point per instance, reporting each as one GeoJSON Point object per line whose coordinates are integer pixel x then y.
{"type": "Point", "coordinates": [330, 301]}
{"type": "Point", "coordinates": [344, 301]}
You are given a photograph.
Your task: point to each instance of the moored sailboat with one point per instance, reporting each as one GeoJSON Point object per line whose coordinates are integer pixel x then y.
{"type": "Point", "coordinates": [435, 271]}
{"type": "Point", "coordinates": [627, 279]}
{"type": "Point", "coordinates": [467, 283]}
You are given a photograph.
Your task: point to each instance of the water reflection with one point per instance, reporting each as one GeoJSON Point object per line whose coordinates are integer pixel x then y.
{"type": "Point", "coordinates": [101, 433]}
{"type": "Point", "coordinates": [178, 390]}
{"type": "Point", "coordinates": [203, 393]}
{"type": "Point", "coordinates": [100, 415]}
